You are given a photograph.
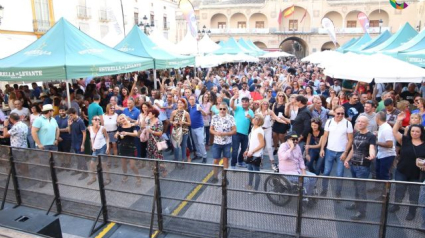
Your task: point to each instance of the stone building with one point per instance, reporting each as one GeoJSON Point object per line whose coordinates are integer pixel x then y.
{"type": "Point", "coordinates": [301, 33]}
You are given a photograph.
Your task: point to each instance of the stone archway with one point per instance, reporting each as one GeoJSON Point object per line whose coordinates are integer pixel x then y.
{"type": "Point", "coordinates": [218, 20]}
{"type": "Point", "coordinates": [329, 46]}
{"type": "Point", "coordinates": [294, 45]}
{"type": "Point", "coordinates": [260, 45]}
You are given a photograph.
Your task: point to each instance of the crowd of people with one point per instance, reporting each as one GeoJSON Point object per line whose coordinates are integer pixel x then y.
{"type": "Point", "coordinates": [287, 110]}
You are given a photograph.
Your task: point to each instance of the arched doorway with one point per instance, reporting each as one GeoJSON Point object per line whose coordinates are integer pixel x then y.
{"type": "Point", "coordinates": [219, 21]}
{"type": "Point", "coordinates": [260, 45]}
{"type": "Point", "coordinates": [329, 46]}
{"type": "Point", "coordinates": [294, 45]}
{"type": "Point", "coordinates": [377, 15]}
{"type": "Point", "coordinates": [336, 18]}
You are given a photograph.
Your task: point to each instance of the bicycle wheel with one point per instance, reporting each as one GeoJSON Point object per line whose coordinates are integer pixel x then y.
{"type": "Point", "coordinates": [278, 184]}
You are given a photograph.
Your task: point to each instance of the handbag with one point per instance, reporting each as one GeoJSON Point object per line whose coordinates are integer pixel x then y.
{"type": "Point", "coordinates": [144, 136]}
{"type": "Point", "coordinates": [161, 145]}
{"type": "Point", "coordinates": [252, 160]}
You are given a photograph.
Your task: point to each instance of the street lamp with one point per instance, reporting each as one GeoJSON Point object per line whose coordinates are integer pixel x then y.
{"type": "Point", "coordinates": [203, 32]}
{"type": "Point", "coordinates": [1, 13]}
{"type": "Point", "coordinates": [381, 22]}
{"type": "Point", "coordinates": [146, 26]}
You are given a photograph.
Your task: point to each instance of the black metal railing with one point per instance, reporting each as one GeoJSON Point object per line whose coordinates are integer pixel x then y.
{"type": "Point", "coordinates": [204, 200]}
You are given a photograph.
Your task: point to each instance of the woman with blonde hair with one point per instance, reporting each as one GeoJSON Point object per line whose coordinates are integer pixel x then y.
{"type": "Point", "coordinates": [415, 119]}
{"type": "Point", "coordinates": [254, 152]}
{"type": "Point", "coordinates": [268, 118]}
{"type": "Point", "coordinates": [281, 124]}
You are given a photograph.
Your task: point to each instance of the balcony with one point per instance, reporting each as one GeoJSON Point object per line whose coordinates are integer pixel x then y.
{"type": "Point", "coordinates": [104, 16]}
{"type": "Point", "coordinates": [219, 31]}
{"type": "Point", "coordinates": [41, 25]}
{"type": "Point", "coordinates": [83, 12]}
{"type": "Point", "coordinates": [358, 30]}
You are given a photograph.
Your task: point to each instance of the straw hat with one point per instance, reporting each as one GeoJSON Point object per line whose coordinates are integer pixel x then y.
{"type": "Point", "coordinates": [47, 107]}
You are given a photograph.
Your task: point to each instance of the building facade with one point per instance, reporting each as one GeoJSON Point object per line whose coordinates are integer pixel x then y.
{"type": "Point", "coordinates": [301, 33]}
{"type": "Point", "coordinates": [28, 20]}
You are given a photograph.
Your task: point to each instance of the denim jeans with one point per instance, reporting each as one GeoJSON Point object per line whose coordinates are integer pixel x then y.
{"type": "Point", "coordinates": [181, 150]}
{"type": "Point", "coordinates": [400, 189]}
{"type": "Point", "coordinates": [315, 157]}
{"type": "Point", "coordinates": [383, 166]}
{"type": "Point", "coordinates": [330, 158]}
{"type": "Point", "coordinates": [81, 161]}
{"type": "Point", "coordinates": [360, 186]}
{"type": "Point", "coordinates": [207, 134]}
{"type": "Point", "coordinates": [198, 139]}
{"type": "Point", "coordinates": [301, 144]}
{"type": "Point", "coordinates": [252, 167]}
{"type": "Point", "coordinates": [100, 151]}
{"type": "Point", "coordinates": [238, 140]}
{"type": "Point", "coordinates": [309, 182]}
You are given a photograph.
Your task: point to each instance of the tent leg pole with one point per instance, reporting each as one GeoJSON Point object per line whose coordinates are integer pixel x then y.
{"type": "Point", "coordinates": [67, 93]}
{"type": "Point", "coordinates": [154, 78]}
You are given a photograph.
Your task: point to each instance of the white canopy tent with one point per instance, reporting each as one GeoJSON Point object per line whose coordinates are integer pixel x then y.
{"type": "Point", "coordinates": [206, 45]}
{"type": "Point", "coordinates": [187, 46]}
{"type": "Point", "coordinates": [209, 60]}
{"type": "Point", "coordinates": [276, 54]}
{"type": "Point", "coordinates": [321, 56]}
{"type": "Point", "coordinates": [382, 68]}
{"type": "Point", "coordinates": [158, 38]}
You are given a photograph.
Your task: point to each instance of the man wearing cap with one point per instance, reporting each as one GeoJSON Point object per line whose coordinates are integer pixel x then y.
{"type": "Point", "coordinates": [291, 162]}
{"type": "Point", "coordinates": [46, 99]}
{"type": "Point", "coordinates": [45, 130]}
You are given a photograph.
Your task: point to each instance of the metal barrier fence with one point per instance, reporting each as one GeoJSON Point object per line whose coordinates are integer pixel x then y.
{"type": "Point", "coordinates": [201, 200]}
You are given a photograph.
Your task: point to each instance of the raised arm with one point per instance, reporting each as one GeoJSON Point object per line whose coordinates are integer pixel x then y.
{"type": "Point", "coordinates": [397, 135]}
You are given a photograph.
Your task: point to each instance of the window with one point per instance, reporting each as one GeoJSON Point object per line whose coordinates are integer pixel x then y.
{"type": "Point", "coordinates": [241, 24]}
{"type": "Point", "coordinates": [165, 22]}
{"type": "Point", "coordinates": [221, 25]}
{"type": "Point", "coordinates": [152, 19]}
{"type": "Point", "coordinates": [293, 25]}
{"type": "Point", "coordinates": [104, 30]}
{"type": "Point", "coordinates": [136, 18]}
{"type": "Point", "coordinates": [351, 24]}
{"type": "Point", "coordinates": [84, 27]}
{"type": "Point", "coordinates": [374, 23]}
{"type": "Point", "coordinates": [42, 23]}
{"type": "Point", "coordinates": [259, 24]}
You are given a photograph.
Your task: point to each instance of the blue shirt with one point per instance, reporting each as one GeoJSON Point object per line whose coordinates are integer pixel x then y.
{"type": "Point", "coordinates": [77, 128]}
{"type": "Point", "coordinates": [36, 93]}
{"type": "Point", "coordinates": [195, 117]}
{"type": "Point", "coordinates": [242, 122]}
{"type": "Point", "coordinates": [133, 114]}
{"type": "Point", "coordinates": [47, 130]}
{"type": "Point", "coordinates": [209, 84]}
{"type": "Point", "coordinates": [63, 123]}
{"type": "Point", "coordinates": [169, 111]}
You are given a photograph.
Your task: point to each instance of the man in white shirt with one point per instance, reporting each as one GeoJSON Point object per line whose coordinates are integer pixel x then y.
{"type": "Point", "coordinates": [339, 135]}
{"type": "Point", "coordinates": [23, 112]}
{"type": "Point", "coordinates": [386, 147]}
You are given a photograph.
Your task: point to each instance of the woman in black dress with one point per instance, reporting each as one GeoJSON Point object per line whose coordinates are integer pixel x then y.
{"type": "Point", "coordinates": [279, 129]}
{"type": "Point", "coordinates": [125, 135]}
{"type": "Point", "coordinates": [412, 149]}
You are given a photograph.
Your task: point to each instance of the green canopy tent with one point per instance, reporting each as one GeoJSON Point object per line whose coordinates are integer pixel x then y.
{"type": "Point", "coordinates": [138, 44]}
{"type": "Point", "coordinates": [254, 46]}
{"type": "Point", "coordinates": [231, 47]}
{"type": "Point", "coordinates": [375, 42]}
{"type": "Point", "coordinates": [405, 34]}
{"type": "Point", "coordinates": [346, 45]}
{"type": "Point", "coordinates": [417, 57]}
{"type": "Point", "coordinates": [65, 53]}
{"type": "Point", "coordinates": [362, 42]}
{"type": "Point", "coordinates": [256, 51]}
{"type": "Point", "coordinates": [416, 44]}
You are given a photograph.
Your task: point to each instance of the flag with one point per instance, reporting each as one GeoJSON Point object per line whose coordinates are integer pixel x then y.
{"type": "Point", "coordinates": [289, 11]}
{"type": "Point", "coordinates": [330, 28]}
{"type": "Point", "coordinates": [364, 21]}
{"type": "Point", "coordinates": [189, 14]}
{"type": "Point", "coordinates": [279, 19]}
{"type": "Point", "coordinates": [305, 14]}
